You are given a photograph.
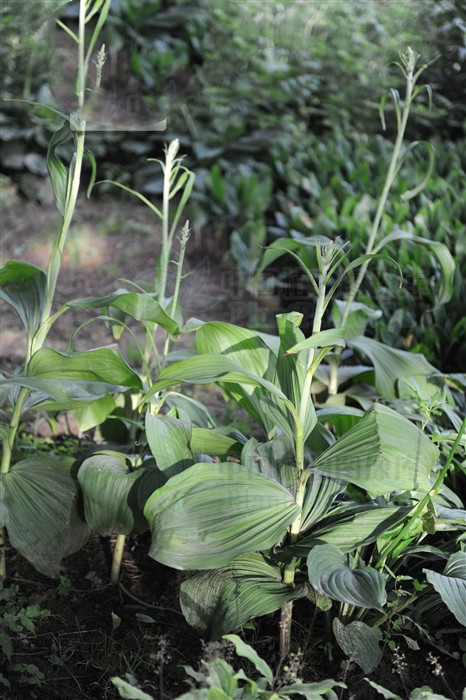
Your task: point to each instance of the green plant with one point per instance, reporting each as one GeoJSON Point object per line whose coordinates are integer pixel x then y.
{"type": "Point", "coordinates": [217, 678]}
{"type": "Point", "coordinates": [18, 622]}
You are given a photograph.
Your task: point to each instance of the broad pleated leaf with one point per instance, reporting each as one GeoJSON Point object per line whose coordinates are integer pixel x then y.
{"type": "Point", "coordinates": [212, 441]}
{"type": "Point", "coordinates": [141, 306]}
{"type": "Point", "coordinates": [102, 365]}
{"type": "Point", "coordinates": [111, 495]}
{"type": "Point", "coordinates": [219, 601]}
{"type": "Point", "coordinates": [169, 441]}
{"type": "Point", "coordinates": [359, 642]}
{"type": "Point", "coordinates": [211, 513]}
{"type": "Point", "coordinates": [24, 287]}
{"type": "Point", "coordinates": [331, 576]}
{"type": "Point", "coordinates": [274, 459]}
{"type": "Point", "coordinates": [93, 413]}
{"type": "Point", "coordinates": [243, 346]}
{"type": "Point", "coordinates": [52, 394]}
{"type": "Point", "coordinates": [384, 452]}
{"type": "Point", "coordinates": [207, 369]}
{"type": "Point", "coordinates": [395, 369]}
{"type": "Point", "coordinates": [320, 493]}
{"type": "Point", "coordinates": [451, 585]}
{"type": "Point", "coordinates": [38, 507]}
{"type": "Point", "coordinates": [349, 529]}
{"type": "Point", "coordinates": [247, 349]}
{"type": "Point", "coordinates": [86, 414]}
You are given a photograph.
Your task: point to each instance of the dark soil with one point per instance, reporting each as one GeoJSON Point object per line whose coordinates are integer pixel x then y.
{"type": "Point", "coordinates": [96, 630]}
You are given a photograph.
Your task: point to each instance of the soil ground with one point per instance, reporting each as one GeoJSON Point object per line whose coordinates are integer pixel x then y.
{"type": "Point", "coordinates": [96, 630]}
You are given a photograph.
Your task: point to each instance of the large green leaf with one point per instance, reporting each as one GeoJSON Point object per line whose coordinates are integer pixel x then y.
{"type": "Point", "coordinates": [359, 642]}
{"type": "Point", "coordinates": [274, 459]}
{"type": "Point", "coordinates": [38, 507]}
{"type": "Point", "coordinates": [24, 287]}
{"type": "Point", "coordinates": [451, 585]}
{"type": "Point", "coordinates": [102, 365]}
{"type": "Point", "coordinates": [219, 601]}
{"type": "Point", "coordinates": [319, 495]}
{"type": "Point", "coordinates": [215, 441]}
{"type": "Point", "coordinates": [207, 369]}
{"type": "Point", "coordinates": [211, 513]}
{"type": "Point", "coordinates": [331, 576]}
{"type": "Point", "coordinates": [111, 494]}
{"type": "Point", "coordinates": [395, 369]}
{"type": "Point", "coordinates": [324, 339]}
{"type": "Point", "coordinates": [350, 528]}
{"type": "Point", "coordinates": [384, 452]}
{"type": "Point", "coordinates": [247, 349]}
{"type": "Point", "coordinates": [169, 440]}
{"type": "Point", "coordinates": [141, 306]}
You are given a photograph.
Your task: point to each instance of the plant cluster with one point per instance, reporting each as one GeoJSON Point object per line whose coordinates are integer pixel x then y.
{"type": "Point", "coordinates": [349, 500]}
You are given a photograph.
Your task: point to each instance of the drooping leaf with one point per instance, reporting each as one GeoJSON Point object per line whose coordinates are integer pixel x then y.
{"type": "Point", "coordinates": [219, 601]}
{"type": "Point", "coordinates": [213, 441]}
{"type": "Point", "coordinates": [247, 349]}
{"type": "Point", "coordinates": [243, 649]}
{"type": "Point", "coordinates": [313, 691]}
{"type": "Point", "coordinates": [24, 287]}
{"type": "Point", "coordinates": [38, 504]}
{"type": "Point", "coordinates": [207, 369]}
{"type": "Point", "coordinates": [441, 252]}
{"type": "Point", "coordinates": [211, 513]}
{"type": "Point", "coordinates": [395, 369]}
{"type": "Point", "coordinates": [451, 585]}
{"type": "Point", "coordinates": [331, 576]}
{"type": "Point", "coordinates": [349, 529]}
{"type": "Point", "coordinates": [359, 642]}
{"type": "Point", "coordinates": [342, 418]}
{"type": "Point", "coordinates": [275, 459]}
{"type": "Point", "coordinates": [384, 452]}
{"type": "Point", "coordinates": [334, 337]}
{"type": "Point", "coordinates": [111, 495]}
{"type": "Point", "coordinates": [102, 365]}
{"type": "Point", "coordinates": [169, 440]}
{"type": "Point", "coordinates": [141, 306]}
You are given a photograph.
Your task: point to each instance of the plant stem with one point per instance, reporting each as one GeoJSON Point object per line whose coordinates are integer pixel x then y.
{"type": "Point", "coordinates": [301, 477]}
{"type": "Point", "coordinates": [117, 558]}
{"type": "Point", "coordinates": [179, 270]}
{"type": "Point", "coordinates": [57, 253]}
{"type": "Point", "coordinates": [12, 430]}
{"type": "Point", "coordinates": [391, 175]}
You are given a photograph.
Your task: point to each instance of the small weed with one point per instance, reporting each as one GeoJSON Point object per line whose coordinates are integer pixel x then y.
{"type": "Point", "coordinates": [18, 624]}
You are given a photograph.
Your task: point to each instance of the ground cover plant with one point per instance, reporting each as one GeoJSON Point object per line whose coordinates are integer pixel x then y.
{"type": "Point", "coordinates": [349, 494]}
